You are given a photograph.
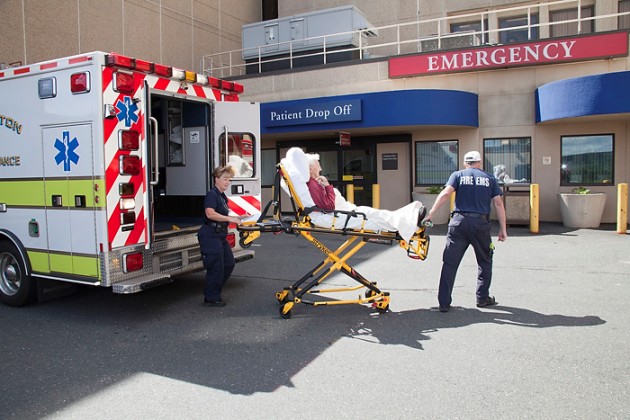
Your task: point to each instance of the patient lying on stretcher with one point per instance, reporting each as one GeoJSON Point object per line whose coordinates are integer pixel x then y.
{"type": "Point", "coordinates": [314, 191]}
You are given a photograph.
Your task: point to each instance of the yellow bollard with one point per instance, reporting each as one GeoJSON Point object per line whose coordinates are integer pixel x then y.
{"type": "Point", "coordinates": [534, 204]}
{"type": "Point", "coordinates": [376, 196]}
{"type": "Point", "coordinates": [622, 208]}
{"type": "Point", "coordinates": [350, 193]}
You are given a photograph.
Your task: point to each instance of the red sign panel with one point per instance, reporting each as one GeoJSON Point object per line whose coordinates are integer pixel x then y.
{"type": "Point", "coordinates": [560, 50]}
{"type": "Point", "coordinates": [344, 138]}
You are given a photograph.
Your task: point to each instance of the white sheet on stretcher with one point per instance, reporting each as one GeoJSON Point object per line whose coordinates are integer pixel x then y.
{"type": "Point", "coordinates": [404, 220]}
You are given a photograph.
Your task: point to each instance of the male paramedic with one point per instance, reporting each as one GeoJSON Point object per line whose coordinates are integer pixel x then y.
{"type": "Point", "coordinates": [470, 225]}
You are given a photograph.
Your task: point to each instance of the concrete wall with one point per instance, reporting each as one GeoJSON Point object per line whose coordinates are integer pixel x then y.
{"type": "Point", "coordinates": [171, 32]}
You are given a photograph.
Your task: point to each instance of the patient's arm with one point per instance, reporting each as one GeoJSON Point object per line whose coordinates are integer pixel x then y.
{"type": "Point", "coordinates": [323, 197]}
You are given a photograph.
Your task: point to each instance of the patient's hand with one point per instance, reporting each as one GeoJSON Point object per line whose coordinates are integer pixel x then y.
{"type": "Point", "coordinates": [322, 181]}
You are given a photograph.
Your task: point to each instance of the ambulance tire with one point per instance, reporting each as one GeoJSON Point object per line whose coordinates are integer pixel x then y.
{"type": "Point", "coordinates": [17, 288]}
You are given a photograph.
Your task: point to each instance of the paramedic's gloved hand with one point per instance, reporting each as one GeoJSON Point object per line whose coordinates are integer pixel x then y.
{"type": "Point", "coordinates": [234, 219]}
{"type": "Point", "coordinates": [322, 181]}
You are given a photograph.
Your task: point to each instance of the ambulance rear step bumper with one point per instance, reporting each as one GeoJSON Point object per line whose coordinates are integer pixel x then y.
{"type": "Point", "coordinates": [139, 284]}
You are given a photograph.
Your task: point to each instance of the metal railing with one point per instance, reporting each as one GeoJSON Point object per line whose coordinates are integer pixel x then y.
{"type": "Point", "coordinates": [406, 38]}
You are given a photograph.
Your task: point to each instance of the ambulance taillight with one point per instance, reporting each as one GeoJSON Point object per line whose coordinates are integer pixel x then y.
{"type": "Point", "coordinates": [132, 262]}
{"type": "Point", "coordinates": [130, 165]}
{"type": "Point", "coordinates": [231, 239]}
{"type": "Point", "coordinates": [128, 140]}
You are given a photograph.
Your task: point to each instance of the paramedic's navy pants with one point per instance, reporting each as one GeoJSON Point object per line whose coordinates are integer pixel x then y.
{"type": "Point", "coordinates": [464, 231]}
{"type": "Point", "coordinates": [218, 261]}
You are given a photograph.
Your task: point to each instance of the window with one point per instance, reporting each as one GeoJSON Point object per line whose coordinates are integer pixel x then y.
{"type": "Point", "coordinates": [624, 21]}
{"type": "Point", "coordinates": [571, 28]}
{"type": "Point", "coordinates": [435, 161]}
{"type": "Point", "coordinates": [587, 160]}
{"type": "Point", "coordinates": [269, 9]}
{"type": "Point", "coordinates": [509, 159]}
{"type": "Point", "coordinates": [518, 35]}
{"type": "Point", "coordinates": [472, 27]}
{"type": "Point", "coordinates": [268, 167]}
{"type": "Point", "coordinates": [240, 153]}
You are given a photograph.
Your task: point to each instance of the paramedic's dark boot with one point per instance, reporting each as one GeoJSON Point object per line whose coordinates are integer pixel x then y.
{"type": "Point", "coordinates": [489, 301]}
{"type": "Point", "coordinates": [214, 303]}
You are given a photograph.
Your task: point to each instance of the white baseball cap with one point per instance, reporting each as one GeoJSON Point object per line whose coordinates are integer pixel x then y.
{"type": "Point", "coordinates": [473, 156]}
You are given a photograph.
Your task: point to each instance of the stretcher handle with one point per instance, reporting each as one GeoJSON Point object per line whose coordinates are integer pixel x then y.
{"type": "Point", "coordinates": [351, 213]}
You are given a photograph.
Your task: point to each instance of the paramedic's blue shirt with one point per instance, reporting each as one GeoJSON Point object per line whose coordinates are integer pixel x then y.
{"type": "Point", "coordinates": [475, 190]}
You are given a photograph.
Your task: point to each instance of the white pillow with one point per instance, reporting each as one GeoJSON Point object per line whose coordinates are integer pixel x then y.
{"type": "Point", "coordinates": [296, 165]}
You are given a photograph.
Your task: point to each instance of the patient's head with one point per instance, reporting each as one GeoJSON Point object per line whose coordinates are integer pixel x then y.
{"type": "Point", "coordinates": [313, 164]}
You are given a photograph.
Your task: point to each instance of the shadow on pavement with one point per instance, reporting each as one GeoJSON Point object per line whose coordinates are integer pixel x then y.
{"type": "Point", "coordinates": [79, 346]}
{"type": "Point", "coordinates": [410, 328]}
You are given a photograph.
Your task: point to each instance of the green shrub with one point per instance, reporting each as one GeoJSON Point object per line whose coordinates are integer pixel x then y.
{"type": "Point", "coordinates": [435, 189]}
{"type": "Point", "coordinates": [581, 190]}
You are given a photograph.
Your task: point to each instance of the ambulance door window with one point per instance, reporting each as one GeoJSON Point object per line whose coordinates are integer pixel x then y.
{"type": "Point", "coordinates": [240, 153]}
{"type": "Point", "coordinates": [175, 148]}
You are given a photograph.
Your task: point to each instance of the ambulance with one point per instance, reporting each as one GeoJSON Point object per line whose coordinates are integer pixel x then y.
{"type": "Point", "coordinates": [105, 161]}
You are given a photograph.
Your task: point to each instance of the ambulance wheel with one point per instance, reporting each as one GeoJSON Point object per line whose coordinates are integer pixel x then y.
{"type": "Point", "coordinates": [17, 288]}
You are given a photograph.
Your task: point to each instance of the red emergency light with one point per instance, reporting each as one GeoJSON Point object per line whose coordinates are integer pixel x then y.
{"type": "Point", "coordinates": [123, 82]}
{"type": "Point", "coordinates": [145, 66]}
{"type": "Point", "coordinates": [164, 71]}
{"type": "Point", "coordinates": [121, 61]}
{"type": "Point", "coordinates": [80, 82]}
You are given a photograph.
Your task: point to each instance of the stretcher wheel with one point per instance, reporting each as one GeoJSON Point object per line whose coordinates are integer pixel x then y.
{"type": "Point", "coordinates": [243, 237]}
{"type": "Point", "coordinates": [285, 310]}
{"type": "Point", "coordinates": [369, 293]}
{"type": "Point", "coordinates": [283, 296]}
{"type": "Point", "coordinates": [382, 305]}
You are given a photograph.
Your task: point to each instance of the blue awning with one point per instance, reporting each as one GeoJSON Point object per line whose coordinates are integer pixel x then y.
{"type": "Point", "coordinates": [426, 107]}
{"type": "Point", "coordinates": [599, 94]}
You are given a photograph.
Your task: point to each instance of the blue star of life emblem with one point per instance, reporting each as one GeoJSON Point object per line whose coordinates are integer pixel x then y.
{"type": "Point", "coordinates": [66, 153]}
{"type": "Point", "coordinates": [127, 111]}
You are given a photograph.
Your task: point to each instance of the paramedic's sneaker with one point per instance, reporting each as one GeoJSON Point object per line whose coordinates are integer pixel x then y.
{"type": "Point", "coordinates": [214, 303]}
{"type": "Point", "coordinates": [489, 301]}
{"type": "Point", "coordinates": [445, 308]}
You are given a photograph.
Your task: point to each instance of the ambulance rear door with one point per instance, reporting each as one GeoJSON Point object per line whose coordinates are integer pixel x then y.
{"type": "Point", "coordinates": [236, 140]}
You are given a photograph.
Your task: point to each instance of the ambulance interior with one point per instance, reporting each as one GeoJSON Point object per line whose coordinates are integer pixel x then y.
{"type": "Point", "coordinates": [184, 162]}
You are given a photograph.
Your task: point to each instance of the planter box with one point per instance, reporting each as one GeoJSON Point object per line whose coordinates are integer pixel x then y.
{"type": "Point", "coordinates": [582, 210]}
{"type": "Point", "coordinates": [427, 200]}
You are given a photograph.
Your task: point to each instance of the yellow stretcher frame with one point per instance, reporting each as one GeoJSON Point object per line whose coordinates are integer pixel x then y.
{"type": "Point", "coordinates": [302, 291]}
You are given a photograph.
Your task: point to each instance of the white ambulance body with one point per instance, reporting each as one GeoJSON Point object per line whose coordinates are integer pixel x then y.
{"type": "Point", "coordinates": [105, 161]}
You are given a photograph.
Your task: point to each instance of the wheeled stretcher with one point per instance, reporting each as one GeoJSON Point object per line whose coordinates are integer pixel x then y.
{"type": "Point", "coordinates": [303, 290]}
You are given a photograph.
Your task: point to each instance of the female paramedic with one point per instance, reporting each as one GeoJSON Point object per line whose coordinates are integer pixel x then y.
{"type": "Point", "coordinates": [218, 259]}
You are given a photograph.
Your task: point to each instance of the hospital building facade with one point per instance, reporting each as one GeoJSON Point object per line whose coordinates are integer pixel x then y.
{"type": "Point", "coordinates": [541, 89]}
{"type": "Point", "coordinates": [390, 93]}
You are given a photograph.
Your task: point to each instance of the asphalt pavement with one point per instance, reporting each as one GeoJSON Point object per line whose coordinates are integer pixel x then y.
{"type": "Point", "coordinates": [556, 346]}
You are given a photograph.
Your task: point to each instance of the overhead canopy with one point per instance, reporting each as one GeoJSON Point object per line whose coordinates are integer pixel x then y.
{"type": "Point", "coordinates": [426, 107]}
{"type": "Point", "coordinates": [599, 94]}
